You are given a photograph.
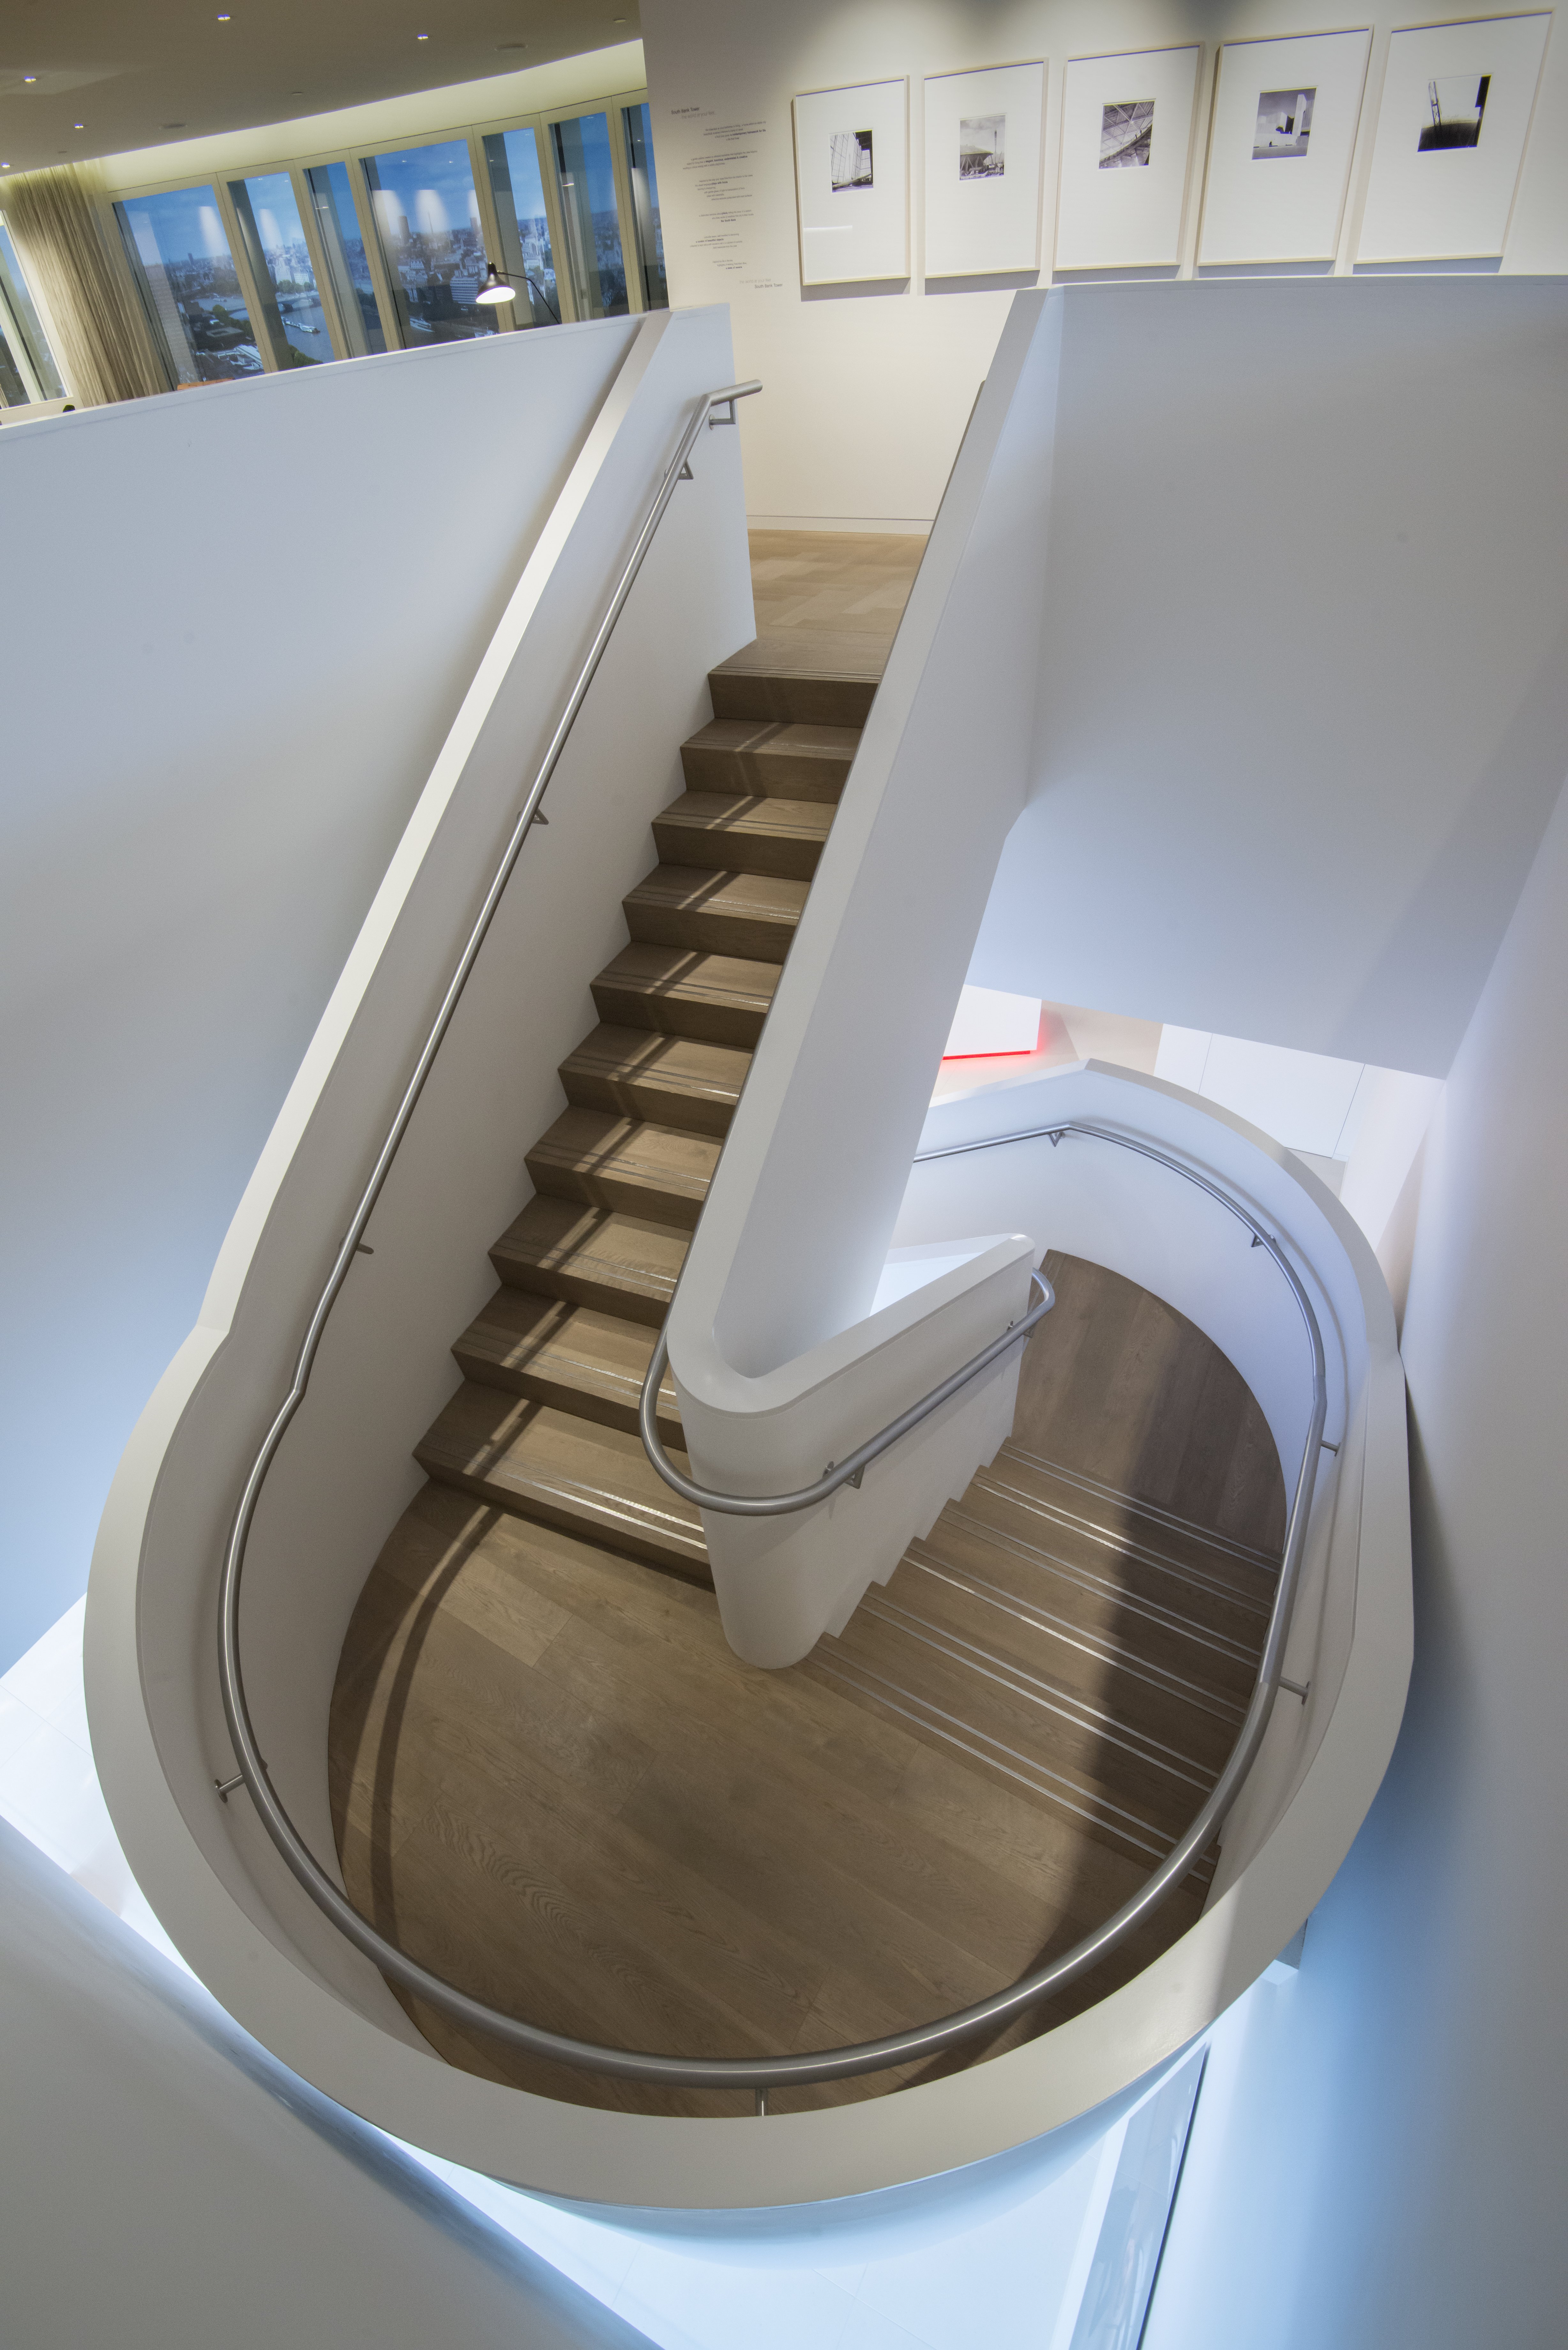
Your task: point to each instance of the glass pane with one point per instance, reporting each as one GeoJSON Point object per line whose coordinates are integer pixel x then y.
{"type": "Point", "coordinates": [189, 272]}
{"type": "Point", "coordinates": [13, 390]}
{"type": "Point", "coordinates": [358, 310]}
{"type": "Point", "coordinates": [427, 215]}
{"type": "Point", "coordinates": [512, 159]}
{"type": "Point", "coordinates": [645, 206]}
{"type": "Point", "coordinates": [28, 326]}
{"type": "Point", "coordinates": [593, 223]}
{"type": "Point", "coordinates": [291, 316]}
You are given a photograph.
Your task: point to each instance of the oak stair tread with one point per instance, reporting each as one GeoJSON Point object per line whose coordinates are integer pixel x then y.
{"type": "Point", "coordinates": [719, 999]}
{"type": "Point", "coordinates": [610, 1161]}
{"type": "Point", "coordinates": [538, 1462]}
{"type": "Point", "coordinates": [619, 1264]}
{"type": "Point", "coordinates": [574, 1356]}
{"type": "Point", "coordinates": [802, 677]}
{"type": "Point", "coordinates": [766, 756]}
{"type": "Point", "coordinates": [753, 915]}
{"type": "Point", "coordinates": [750, 835]}
{"type": "Point", "coordinates": [676, 1080]}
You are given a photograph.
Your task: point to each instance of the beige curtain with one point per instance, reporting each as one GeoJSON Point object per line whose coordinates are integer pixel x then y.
{"type": "Point", "coordinates": [82, 283]}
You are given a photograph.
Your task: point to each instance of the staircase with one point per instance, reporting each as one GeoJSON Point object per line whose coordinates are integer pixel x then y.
{"type": "Point", "coordinates": [544, 1425]}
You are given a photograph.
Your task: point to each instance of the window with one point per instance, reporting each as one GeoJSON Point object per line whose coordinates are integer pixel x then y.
{"type": "Point", "coordinates": [427, 219]}
{"type": "Point", "coordinates": [28, 363]}
{"type": "Point", "coordinates": [512, 158]}
{"type": "Point", "coordinates": [178, 242]}
{"type": "Point", "coordinates": [591, 216]}
{"type": "Point", "coordinates": [348, 265]}
{"type": "Point", "coordinates": [272, 236]}
{"type": "Point", "coordinates": [649, 231]}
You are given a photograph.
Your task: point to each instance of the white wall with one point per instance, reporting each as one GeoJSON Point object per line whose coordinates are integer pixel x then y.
{"type": "Point", "coordinates": [1293, 798]}
{"type": "Point", "coordinates": [236, 626]}
{"type": "Point", "coordinates": [166, 2183]}
{"type": "Point", "coordinates": [1384, 2166]}
{"type": "Point", "coordinates": [873, 388]}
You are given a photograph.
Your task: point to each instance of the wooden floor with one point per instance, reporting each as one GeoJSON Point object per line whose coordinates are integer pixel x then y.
{"type": "Point", "coordinates": [555, 1784]}
{"type": "Point", "coordinates": [553, 1781]}
{"type": "Point", "coordinates": [823, 583]}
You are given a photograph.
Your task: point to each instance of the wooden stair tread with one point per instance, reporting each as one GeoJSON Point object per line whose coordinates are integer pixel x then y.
{"type": "Point", "coordinates": [714, 999]}
{"type": "Point", "coordinates": [573, 1357]}
{"type": "Point", "coordinates": [744, 834]}
{"type": "Point", "coordinates": [538, 1462]}
{"type": "Point", "coordinates": [611, 1161]}
{"type": "Point", "coordinates": [798, 762]}
{"type": "Point", "coordinates": [751, 915]}
{"type": "Point", "coordinates": [802, 677]}
{"type": "Point", "coordinates": [641, 1073]}
{"type": "Point", "coordinates": [622, 1265]}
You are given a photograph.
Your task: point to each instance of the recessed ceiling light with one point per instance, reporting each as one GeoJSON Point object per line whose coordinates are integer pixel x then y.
{"type": "Point", "coordinates": [172, 126]}
{"type": "Point", "coordinates": [225, 20]}
{"type": "Point", "coordinates": [29, 76]}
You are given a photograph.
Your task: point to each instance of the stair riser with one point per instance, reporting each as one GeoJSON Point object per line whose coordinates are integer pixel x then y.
{"type": "Point", "coordinates": [791, 700]}
{"type": "Point", "coordinates": [706, 1019]}
{"type": "Point", "coordinates": [765, 775]}
{"type": "Point", "coordinates": [596, 1189]}
{"type": "Point", "coordinates": [758, 938]}
{"type": "Point", "coordinates": [733, 851]}
{"type": "Point", "coordinates": [545, 1508]}
{"type": "Point", "coordinates": [692, 1113]}
{"type": "Point", "coordinates": [648, 1304]}
{"type": "Point", "coordinates": [597, 1404]}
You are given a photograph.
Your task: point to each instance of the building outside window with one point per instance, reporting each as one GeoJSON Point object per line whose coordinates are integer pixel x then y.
{"type": "Point", "coordinates": [347, 264]}
{"type": "Point", "coordinates": [178, 242]}
{"type": "Point", "coordinates": [426, 210]}
{"type": "Point", "coordinates": [272, 235]}
{"type": "Point", "coordinates": [512, 158]}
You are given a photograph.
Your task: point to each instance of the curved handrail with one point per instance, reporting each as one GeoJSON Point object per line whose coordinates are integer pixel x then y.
{"type": "Point", "coordinates": [765, 2074]}
{"type": "Point", "coordinates": [849, 1472]}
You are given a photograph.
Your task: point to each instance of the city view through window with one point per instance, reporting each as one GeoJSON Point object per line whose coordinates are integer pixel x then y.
{"type": "Point", "coordinates": [29, 362]}
{"type": "Point", "coordinates": [591, 215]}
{"type": "Point", "coordinates": [280, 263]}
{"type": "Point", "coordinates": [512, 158]}
{"type": "Point", "coordinates": [286, 267]}
{"type": "Point", "coordinates": [189, 273]}
{"type": "Point", "coordinates": [427, 216]}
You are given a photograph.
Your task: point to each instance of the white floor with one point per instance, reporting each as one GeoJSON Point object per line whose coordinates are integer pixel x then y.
{"type": "Point", "coordinates": [1001, 2277]}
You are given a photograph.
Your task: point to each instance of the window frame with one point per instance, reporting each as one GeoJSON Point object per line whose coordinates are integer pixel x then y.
{"type": "Point", "coordinates": [539, 122]}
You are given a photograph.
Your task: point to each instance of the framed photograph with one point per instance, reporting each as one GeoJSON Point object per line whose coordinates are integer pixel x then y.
{"type": "Point", "coordinates": [984, 141]}
{"type": "Point", "coordinates": [1283, 130]}
{"type": "Point", "coordinates": [1457, 102]}
{"type": "Point", "coordinates": [852, 182]}
{"type": "Point", "coordinates": [1126, 136]}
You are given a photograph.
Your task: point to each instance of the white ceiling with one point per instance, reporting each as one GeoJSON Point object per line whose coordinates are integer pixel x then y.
{"type": "Point", "coordinates": [138, 75]}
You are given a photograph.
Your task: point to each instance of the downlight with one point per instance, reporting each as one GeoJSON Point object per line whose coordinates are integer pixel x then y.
{"type": "Point", "coordinates": [496, 287]}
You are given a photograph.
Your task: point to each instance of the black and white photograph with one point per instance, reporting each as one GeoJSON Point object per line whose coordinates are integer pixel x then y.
{"type": "Point", "coordinates": [982, 146]}
{"type": "Point", "coordinates": [1456, 103]}
{"type": "Point", "coordinates": [1452, 121]}
{"type": "Point", "coordinates": [850, 166]}
{"type": "Point", "coordinates": [852, 187]}
{"type": "Point", "coordinates": [984, 217]}
{"type": "Point", "coordinates": [1293, 99]}
{"type": "Point", "coordinates": [1126, 133]}
{"type": "Point", "coordinates": [1284, 123]}
{"type": "Point", "coordinates": [1122, 192]}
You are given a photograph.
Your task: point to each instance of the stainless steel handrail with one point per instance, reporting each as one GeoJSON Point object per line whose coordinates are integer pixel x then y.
{"type": "Point", "coordinates": [762, 2073]}
{"type": "Point", "coordinates": [847, 1471]}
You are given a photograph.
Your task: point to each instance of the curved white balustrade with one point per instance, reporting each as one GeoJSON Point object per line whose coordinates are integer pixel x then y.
{"type": "Point", "coordinates": [776, 1333]}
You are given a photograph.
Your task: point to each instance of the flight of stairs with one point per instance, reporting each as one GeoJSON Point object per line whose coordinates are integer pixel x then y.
{"type": "Point", "coordinates": [544, 1425]}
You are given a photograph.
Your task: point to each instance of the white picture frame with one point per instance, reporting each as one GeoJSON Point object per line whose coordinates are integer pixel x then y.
{"type": "Point", "coordinates": [1280, 139]}
{"type": "Point", "coordinates": [1430, 200]}
{"type": "Point", "coordinates": [852, 182]}
{"type": "Point", "coordinates": [1127, 147]}
{"type": "Point", "coordinates": [984, 146]}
